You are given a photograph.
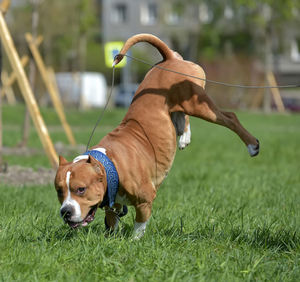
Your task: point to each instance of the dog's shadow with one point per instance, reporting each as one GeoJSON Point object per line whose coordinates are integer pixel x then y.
{"type": "Point", "coordinates": [65, 233]}
{"type": "Point", "coordinates": [124, 230]}
{"type": "Point", "coordinates": [181, 88]}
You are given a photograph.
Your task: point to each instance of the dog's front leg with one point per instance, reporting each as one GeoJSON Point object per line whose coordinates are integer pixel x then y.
{"type": "Point", "coordinates": [111, 220]}
{"type": "Point", "coordinates": [143, 213]}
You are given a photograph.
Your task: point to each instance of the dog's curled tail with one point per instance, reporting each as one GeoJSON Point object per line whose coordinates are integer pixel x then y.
{"type": "Point", "coordinates": [163, 49]}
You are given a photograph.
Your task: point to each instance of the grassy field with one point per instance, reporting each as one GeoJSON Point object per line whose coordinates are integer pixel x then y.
{"type": "Point", "coordinates": [219, 216]}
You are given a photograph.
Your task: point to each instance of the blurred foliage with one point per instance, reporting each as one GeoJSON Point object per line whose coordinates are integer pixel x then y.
{"type": "Point", "coordinates": [246, 25]}
{"type": "Point", "coordinates": [61, 23]}
{"type": "Point", "coordinates": [237, 26]}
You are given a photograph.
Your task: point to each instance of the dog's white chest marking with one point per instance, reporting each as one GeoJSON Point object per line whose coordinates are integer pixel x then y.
{"type": "Point", "coordinates": [69, 201]}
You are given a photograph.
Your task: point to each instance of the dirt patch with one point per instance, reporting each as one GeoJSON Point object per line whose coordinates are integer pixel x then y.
{"type": "Point", "coordinates": [61, 149]}
{"type": "Point", "coordinates": [23, 176]}
{"type": "Point", "coordinates": [21, 151]}
{"type": "Point", "coordinates": [15, 175]}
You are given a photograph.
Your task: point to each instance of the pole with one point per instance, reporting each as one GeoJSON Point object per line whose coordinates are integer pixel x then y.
{"type": "Point", "coordinates": [59, 106]}
{"type": "Point", "coordinates": [275, 92]}
{"type": "Point", "coordinates": [7, 89]}
{"type": "Point", "coordinates": [12, 77]}
{"type": "Point", "coordinates": [24, 61]}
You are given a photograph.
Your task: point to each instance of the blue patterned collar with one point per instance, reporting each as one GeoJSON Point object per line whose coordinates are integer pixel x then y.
{"type": "Point", "coordinates": [112, 177]}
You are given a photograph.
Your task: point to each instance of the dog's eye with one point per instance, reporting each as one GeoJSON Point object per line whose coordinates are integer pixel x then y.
{"type": "Point", "coordinates": [80, 190]}
{"type": "Point", "coordinates": [59, 192]}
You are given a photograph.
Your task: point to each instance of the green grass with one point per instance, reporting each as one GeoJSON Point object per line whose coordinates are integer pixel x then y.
{"type": "Point", "coordinates": [219, 216]}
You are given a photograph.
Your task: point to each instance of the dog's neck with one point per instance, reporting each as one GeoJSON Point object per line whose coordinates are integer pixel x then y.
{"type": "Point", "coordinates": [85, 156]}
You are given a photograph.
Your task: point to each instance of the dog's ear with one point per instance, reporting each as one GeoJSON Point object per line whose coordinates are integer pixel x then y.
{"type": "Point", "coordinates": [62, 161]}
{"type": "Point", "coordinates": [98, 167]}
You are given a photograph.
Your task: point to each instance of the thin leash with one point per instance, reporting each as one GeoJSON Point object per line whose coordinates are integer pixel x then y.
{"type": "Point", "coordinates": [183, 74]}
{"type": "Point", "coordinates": [209, 80]}
{"type": "Point", "coordinates": [104, 109]}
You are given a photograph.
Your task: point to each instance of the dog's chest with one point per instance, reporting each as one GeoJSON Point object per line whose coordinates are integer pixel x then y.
{"type": "Point", "coordinates": [122, 200]}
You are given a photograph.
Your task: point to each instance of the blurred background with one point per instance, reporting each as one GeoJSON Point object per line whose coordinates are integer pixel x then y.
{"type": "Point", "coordinates": [235, 41]}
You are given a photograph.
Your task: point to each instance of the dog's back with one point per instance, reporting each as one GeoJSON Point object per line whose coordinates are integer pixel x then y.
{"type": "Point", "coordinates": [149, 116]}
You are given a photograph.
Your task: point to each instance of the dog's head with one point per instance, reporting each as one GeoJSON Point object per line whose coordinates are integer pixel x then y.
{"type": "Point", "coordinates": [80, 188]}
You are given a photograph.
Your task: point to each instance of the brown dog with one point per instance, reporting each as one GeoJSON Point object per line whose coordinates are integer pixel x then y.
{"type": "Point", "coordinates": [138, 154]}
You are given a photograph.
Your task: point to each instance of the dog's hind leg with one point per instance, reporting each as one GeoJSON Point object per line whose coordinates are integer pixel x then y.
{"type": "Point", "coordinates": [252, 145]}
{"type": "Point", "coordinates": [185, 137]}
{"type": "Point", "coordinates": [198, 104]}
{"type": "Point", "coordinates": [183, 129]}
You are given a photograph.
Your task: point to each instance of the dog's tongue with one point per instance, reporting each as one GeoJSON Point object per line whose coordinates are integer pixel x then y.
{"type": "Point", "coordinates": [85, 222]}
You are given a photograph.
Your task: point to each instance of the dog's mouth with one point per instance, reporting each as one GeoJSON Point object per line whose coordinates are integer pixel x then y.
{"type": "Point", "coordinates": [89, 218]}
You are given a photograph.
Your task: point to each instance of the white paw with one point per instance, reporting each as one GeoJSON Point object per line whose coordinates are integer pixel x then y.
{"type": "Point", "coordinates": [139, 230]}
{"type": "Point", "coordinates": [253, 149]}
{"type": "Point", "coordinates": [185, 138]}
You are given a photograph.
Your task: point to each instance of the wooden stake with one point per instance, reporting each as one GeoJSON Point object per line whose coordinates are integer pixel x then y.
{"type": "Point", "coordinates": [24, 61]}
{"type": "Point", "coordinates": [257, 98]}
{"type": "Point", "coordinates": [59, 106]}
{"type": "Point", "coordinates": [275, 92]}
{"type": "Point", "coordinates": [27, 93]}
{"type": "Point", "coordinates": [12, 78]}
{"type": "Point", "coordinates": [7, 89]}
{"type": "Point", "coordinates": [50, 87]}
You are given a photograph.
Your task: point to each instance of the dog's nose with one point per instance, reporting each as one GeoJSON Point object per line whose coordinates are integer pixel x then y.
{"type": "Point", "coordinates": [66, 212]}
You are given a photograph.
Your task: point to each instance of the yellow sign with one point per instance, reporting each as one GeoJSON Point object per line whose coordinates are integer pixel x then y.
{"type": "Point", "coordinates": [111, 49]}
